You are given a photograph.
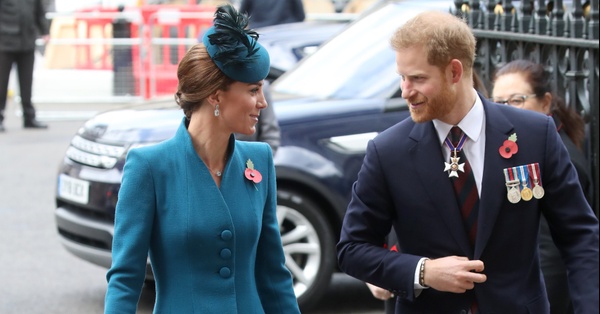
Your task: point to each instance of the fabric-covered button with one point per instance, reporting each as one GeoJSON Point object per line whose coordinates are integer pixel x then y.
{"type": "Point", "coordinates": [226, 253]}
{"type": "Point", "coordinates": [226, 235]}
{"type": "Point", "coordinates": [225, 272]}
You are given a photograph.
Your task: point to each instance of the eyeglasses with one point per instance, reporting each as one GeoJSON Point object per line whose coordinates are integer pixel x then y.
{"type": "Point", "coordinates": [514, 100]}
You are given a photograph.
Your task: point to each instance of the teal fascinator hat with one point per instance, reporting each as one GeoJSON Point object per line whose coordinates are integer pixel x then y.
{"type": "Point", "coordinates": [235, 49]}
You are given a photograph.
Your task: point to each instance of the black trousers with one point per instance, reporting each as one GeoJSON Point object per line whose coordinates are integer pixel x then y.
{"type": "Point", "coordinates": [24, 61]}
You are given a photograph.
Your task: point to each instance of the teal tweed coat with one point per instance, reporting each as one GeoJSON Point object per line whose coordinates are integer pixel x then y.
{"type": "Point", "coordinates": [212, 250]}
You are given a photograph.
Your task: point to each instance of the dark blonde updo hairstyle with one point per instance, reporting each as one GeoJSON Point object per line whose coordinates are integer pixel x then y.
{"type": "Point", "coordinates": [198, 77]}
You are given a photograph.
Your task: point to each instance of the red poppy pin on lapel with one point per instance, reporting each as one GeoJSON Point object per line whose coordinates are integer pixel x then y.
{"type": "Point", "coordinates": [251, 173]}
{"type": "Point", "coordinates": [509, 147]}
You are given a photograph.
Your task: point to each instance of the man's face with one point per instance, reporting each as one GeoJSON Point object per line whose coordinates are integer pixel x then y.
{"type": "Point", "coordinates": [425, 87]}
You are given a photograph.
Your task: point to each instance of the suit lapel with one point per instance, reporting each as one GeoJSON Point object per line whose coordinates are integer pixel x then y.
{"type": "Point", "coordinates": [493, 193]}
{"type": "Point", "coordinates": [430, 168]}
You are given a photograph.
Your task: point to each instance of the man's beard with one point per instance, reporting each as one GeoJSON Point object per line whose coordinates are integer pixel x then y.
{"type": "Point", "coordinates": [436, 107]}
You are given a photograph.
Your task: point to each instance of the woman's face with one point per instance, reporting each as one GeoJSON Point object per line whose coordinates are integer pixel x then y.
{"type": "Point", "coordinates": [514, 90]}
{"type": "Point", "coordinates": [240, 106]}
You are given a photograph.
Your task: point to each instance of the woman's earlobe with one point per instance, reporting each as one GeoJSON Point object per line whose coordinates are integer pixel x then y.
{"type": "Point", "coordinates": [213, 98]}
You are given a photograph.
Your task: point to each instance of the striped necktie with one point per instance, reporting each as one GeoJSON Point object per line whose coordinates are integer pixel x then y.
{"type": "Point", "coordinates": [465, 188]}
{"type": "Point", "coordinates": [466, 194]}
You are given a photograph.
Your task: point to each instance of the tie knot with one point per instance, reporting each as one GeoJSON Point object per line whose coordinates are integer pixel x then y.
{"type": "Point", "coordinates": [455, 134]}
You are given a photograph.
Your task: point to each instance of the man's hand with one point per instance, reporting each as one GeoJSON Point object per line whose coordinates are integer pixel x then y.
{"type": "Point", "coordinates": [453, 274]}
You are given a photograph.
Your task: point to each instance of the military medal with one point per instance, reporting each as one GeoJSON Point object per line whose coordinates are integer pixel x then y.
{"type": "Point", "coordinates": [538, 190]}
{"type": "Point", "coordinates": [526, 193]}
{"type": "Point", "coordinates": [512, 186]}
{"type": "Point", "coordinates": [513, 194]}
{"type": "Point", "coordinates": [453, 167]}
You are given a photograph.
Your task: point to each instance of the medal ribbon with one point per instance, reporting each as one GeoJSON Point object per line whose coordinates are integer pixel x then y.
{"type": "Point", "coordinates": [535, 173]}
{"type": "Point", "coordinates": [458, 147]}
{"type": "Point", "coordinates": [506, 175]}
{"type": "Point", "coordinates": [514, 174]}
{"type": "Point", "coordinates": [524, 177]}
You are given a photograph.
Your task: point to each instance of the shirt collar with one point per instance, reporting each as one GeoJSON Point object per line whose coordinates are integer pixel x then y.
{"type": "Point", "coordinates": [471, 124]}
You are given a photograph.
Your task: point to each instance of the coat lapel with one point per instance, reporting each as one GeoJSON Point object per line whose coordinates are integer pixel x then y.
{"type": "Point", "coordinates": [200, 188]}
{"type": "Point", "coordinates": [493, 191]}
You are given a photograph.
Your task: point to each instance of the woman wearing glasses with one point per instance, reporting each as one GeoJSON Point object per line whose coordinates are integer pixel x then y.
{"type": "Point", "coordinates": [525, 84]}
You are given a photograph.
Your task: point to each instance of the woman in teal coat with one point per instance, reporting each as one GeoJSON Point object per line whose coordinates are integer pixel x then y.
{"type": "Point", "coordinates": [202, 205]}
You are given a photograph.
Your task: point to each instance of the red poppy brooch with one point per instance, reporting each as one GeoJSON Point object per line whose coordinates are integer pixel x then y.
{"type": "Point", "coordinates": [509, 147]}
{"type": "Point", "coordinates": [251, 173]}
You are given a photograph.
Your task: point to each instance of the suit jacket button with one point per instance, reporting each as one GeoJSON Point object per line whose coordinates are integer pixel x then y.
{"type": "Point", "coordinates": [226, 235]}
{"type": "Point", "coordinates": [225, 253]}
{"type": "Point", "coordinates": [225, 272]}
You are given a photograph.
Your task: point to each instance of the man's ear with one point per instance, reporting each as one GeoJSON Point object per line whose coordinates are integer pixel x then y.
{"type": "Point", "coordinates": [456, 70]}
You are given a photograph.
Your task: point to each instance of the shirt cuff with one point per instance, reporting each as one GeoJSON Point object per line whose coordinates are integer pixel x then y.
{"type": "Point", "coordinates": [417, 286]}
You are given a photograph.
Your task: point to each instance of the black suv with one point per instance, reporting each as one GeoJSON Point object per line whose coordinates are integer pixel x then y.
{"type": "Point", "coordinates": [329, 106]}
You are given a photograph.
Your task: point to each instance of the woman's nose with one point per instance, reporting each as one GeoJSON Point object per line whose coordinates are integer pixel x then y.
{"type": "Point", "coordinates": [262, 101]}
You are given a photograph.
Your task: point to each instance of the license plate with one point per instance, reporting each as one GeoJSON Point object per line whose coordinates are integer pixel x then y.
{"type": "Point", "coordinates": [73, 189]}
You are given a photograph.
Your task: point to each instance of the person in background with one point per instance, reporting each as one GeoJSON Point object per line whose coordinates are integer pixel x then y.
{"type": "Point", "coordinates": [21, 22]}
{"type": "Point", "coordinates": [359, 6]}
{"type": "Point", "coordinates": [387, 296]}
{"type": "Point", "coordinates": [273, 12]}
{"type": "Point", "coordinates": [527, 85]}
{"type": "Point", "coordinates": [202, 205]}
{"type": "Point", "coordinates": [455, 182]}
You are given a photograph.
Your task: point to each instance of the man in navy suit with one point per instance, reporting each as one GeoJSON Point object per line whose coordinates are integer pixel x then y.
{"type": "Point", "coordinates": [466, 212]}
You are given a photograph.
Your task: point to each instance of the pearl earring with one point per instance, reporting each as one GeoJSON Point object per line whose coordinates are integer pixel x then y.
{"type": "Point", "coordinates": [217, 112]}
